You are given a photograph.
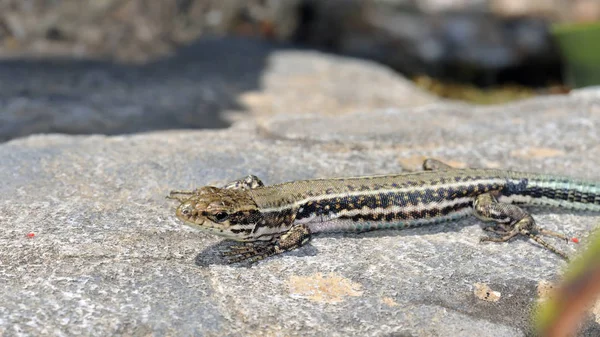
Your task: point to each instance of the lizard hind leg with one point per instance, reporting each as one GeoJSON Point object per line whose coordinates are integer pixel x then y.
{"type": "Point", "coordinates": [431, 164]}
{"type": "Point", "coordinates": [512, 221]}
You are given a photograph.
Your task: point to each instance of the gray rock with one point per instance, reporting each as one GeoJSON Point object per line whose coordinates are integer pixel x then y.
{"type": "Point", "coordinates": [109, 258]}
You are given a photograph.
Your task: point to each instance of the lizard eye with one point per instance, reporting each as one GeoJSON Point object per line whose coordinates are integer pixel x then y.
{"type": "Point", "coordinates": [221, 216]}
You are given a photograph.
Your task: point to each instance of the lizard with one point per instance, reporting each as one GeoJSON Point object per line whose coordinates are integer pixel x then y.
{"type": "Point", "coordinates": [270, 220]}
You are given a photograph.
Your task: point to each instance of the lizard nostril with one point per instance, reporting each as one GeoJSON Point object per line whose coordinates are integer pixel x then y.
{"type": "Point", "coordinates": [187, 210]}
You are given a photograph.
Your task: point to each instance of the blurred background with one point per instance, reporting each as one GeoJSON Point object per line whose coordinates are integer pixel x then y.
{"type": "Point", "coordinates": [482, 42]}
{"type": "Point", "coordinates": [479, 51]}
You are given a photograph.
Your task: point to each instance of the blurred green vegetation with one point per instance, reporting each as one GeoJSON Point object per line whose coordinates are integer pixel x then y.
{"type": "Point", "coordinates": [560, 313]}
{"type": "Point", "coordinates": [477, 95]}
{"type": "Point", "coordinates": [579, 45]}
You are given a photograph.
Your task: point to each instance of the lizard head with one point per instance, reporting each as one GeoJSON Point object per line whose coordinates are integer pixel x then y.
{"type": "Point", "coordinates": [226, 212]}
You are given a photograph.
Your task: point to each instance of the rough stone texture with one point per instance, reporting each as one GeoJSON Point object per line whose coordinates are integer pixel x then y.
{"type": "Point", "coordinates": [109, 258]}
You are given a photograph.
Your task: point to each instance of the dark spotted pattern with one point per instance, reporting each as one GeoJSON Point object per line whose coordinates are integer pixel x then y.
{"type": "Point", "coordinates": [241, 230]}
{"type": "Point", "coordinates": [511, 188]}
{"type": "Point", "coordinates": [245, 217]}
{"type": "Point", "coordinates": [276, 219]}
{"type": "Point", "coordinates": [410, 215]}
{"type": "Point", "coordinates": [363, 184]}
{"type": "Point", "coordinates": [414, 198]}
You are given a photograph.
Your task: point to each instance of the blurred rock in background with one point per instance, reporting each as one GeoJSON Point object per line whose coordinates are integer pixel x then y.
{"type": "Point", "coordinates": [484, 42]}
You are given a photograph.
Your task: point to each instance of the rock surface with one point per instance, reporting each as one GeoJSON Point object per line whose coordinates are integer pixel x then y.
{"type": "Point", "coordinates": [108, 257]}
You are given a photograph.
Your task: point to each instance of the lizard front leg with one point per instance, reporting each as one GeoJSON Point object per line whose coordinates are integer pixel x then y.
{"type": "Point", "coordinates": [511, 221]}
{"type": "Point", "coordinates": [248, 182]}
{"type": "Point", "coordinates": [296, 237]}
